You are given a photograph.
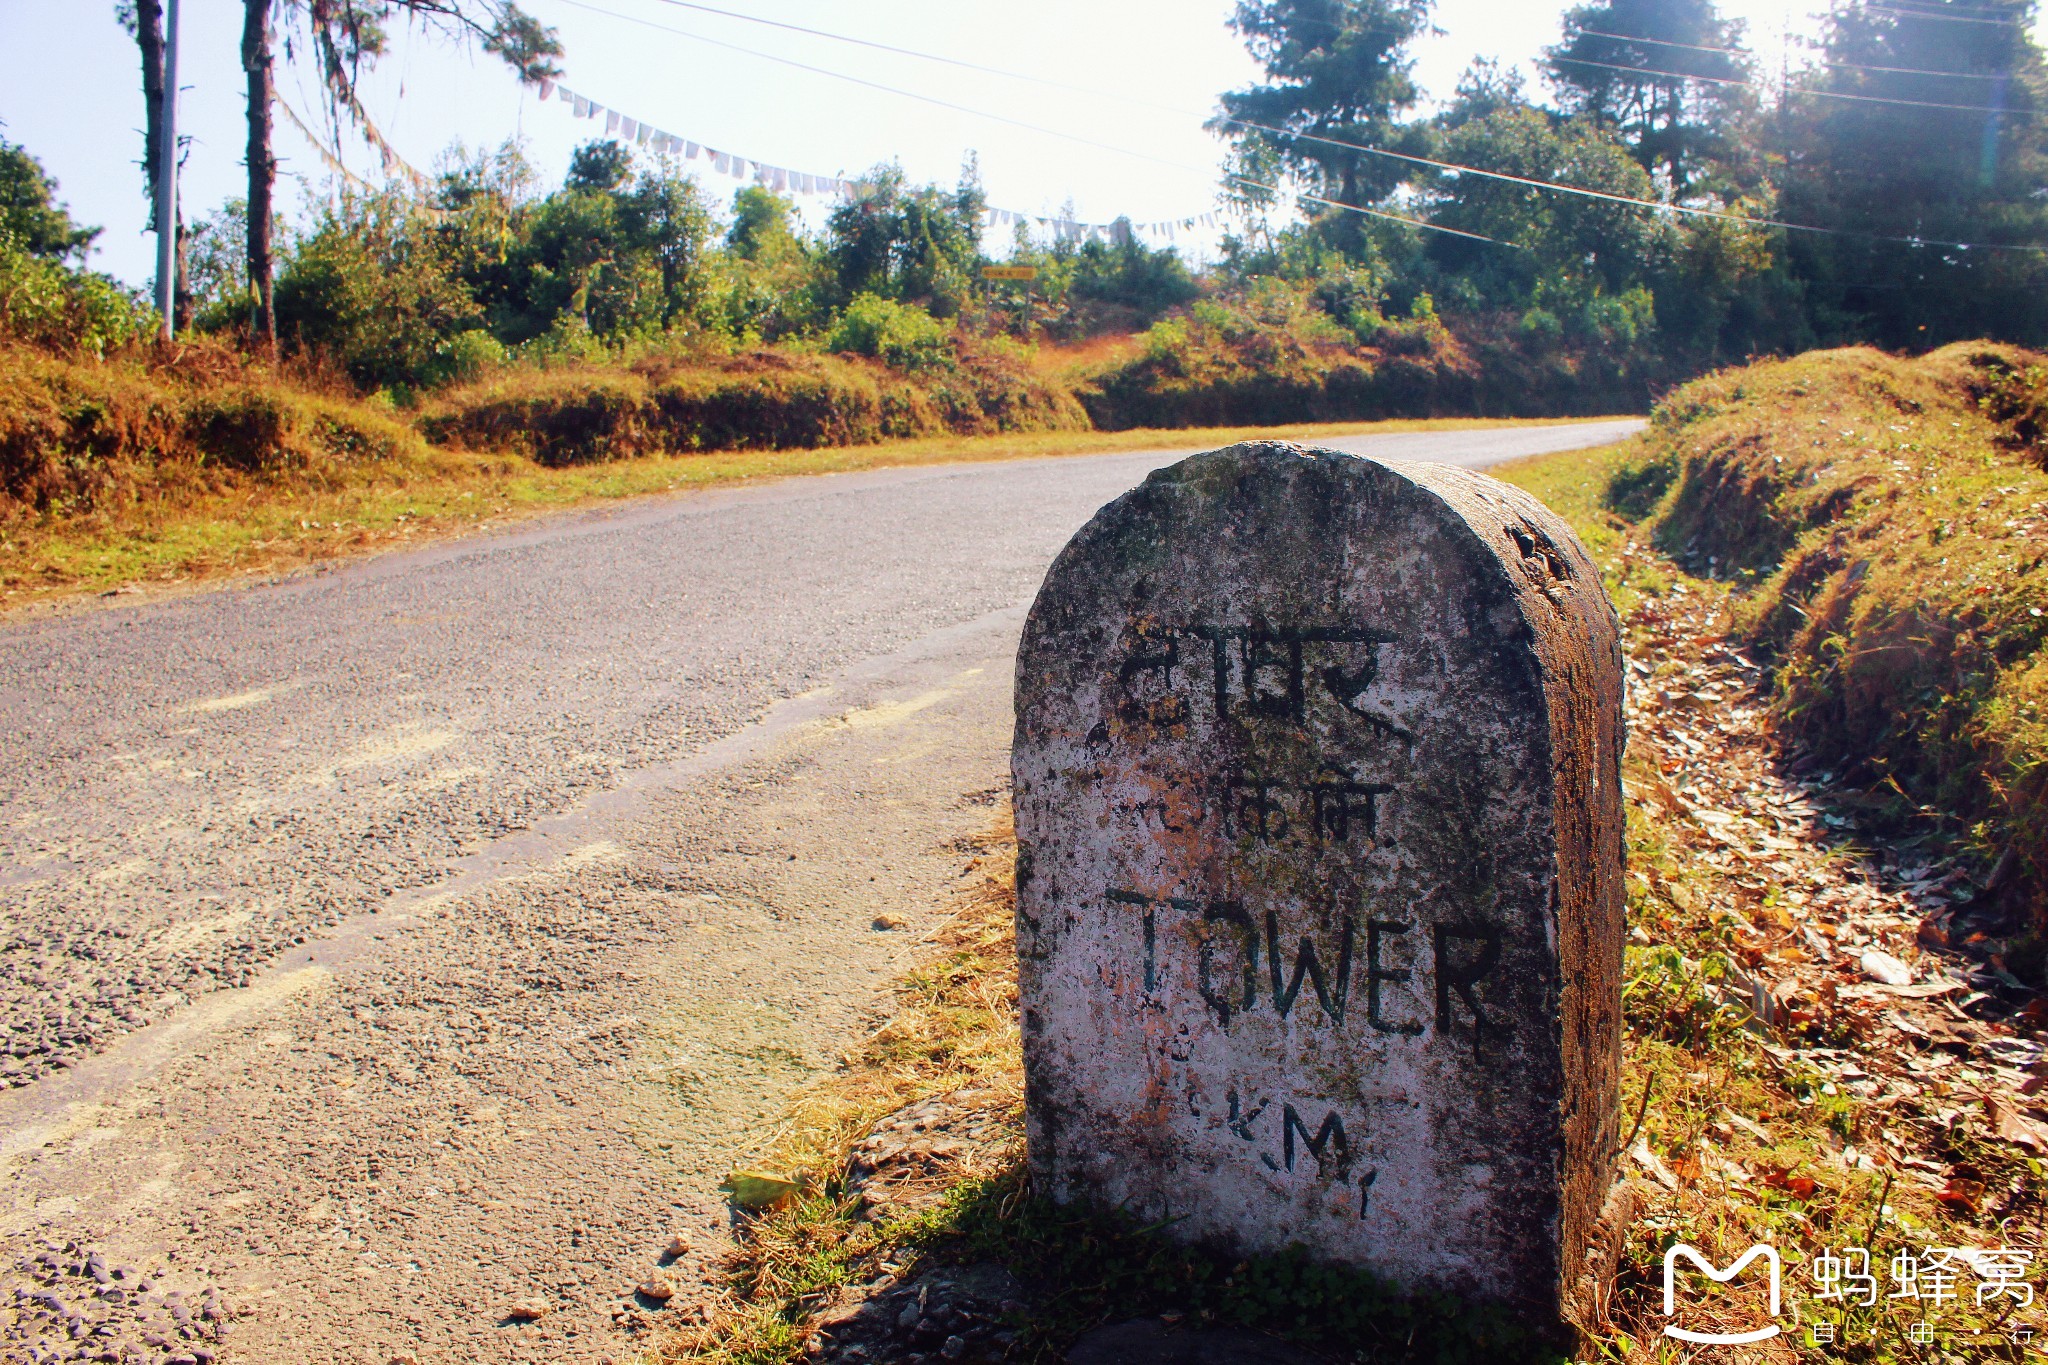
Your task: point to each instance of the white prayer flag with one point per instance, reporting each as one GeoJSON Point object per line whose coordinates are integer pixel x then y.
{"type": "Point", "coordinates": [690, 150]}
{"type": "Point", "coordinates": [581, 107]}
{"type": "Point", "coordinates": [720, 162]}
{"type": "Point", "coordinates": [781, 179]}
{"type": "Point", "coordinates": [644, 136]}
{"type": "Point", "coordinates": [547, 87]}
{"type": "Point", "coordinates": [611, 120]}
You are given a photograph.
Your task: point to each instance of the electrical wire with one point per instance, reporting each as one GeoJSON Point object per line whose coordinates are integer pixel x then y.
{"type": "Point", "coordinates": [1036, 128]}
{"type": "Point", "coordinates": [1796, 90]}
{"type": "Point", "coordinates": [1085, 90]}
{"type": "Point", "coordinates": [1926, 14]}
{"type": "Point", "coordinates": [1947, 8]}
{"type": "Point", "coordinates": [1686, 210]}
{"type": "Point", "coordinates": [1832, 66]}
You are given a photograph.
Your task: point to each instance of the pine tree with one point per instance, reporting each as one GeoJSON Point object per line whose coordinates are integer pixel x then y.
{"type": "Point", "coordinates": [1337, 70]}
{"type": "Point", "coordinates": [1924, 121]}
{"type": "Point", "coordinates": [1667, 76]}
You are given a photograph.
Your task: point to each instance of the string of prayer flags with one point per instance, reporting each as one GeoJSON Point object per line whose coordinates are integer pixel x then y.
{"type": "Point", "coordinates": [785, 181]}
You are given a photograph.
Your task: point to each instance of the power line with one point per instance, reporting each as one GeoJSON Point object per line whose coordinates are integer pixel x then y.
{"type": "Point", "coordinates": [1688, 210]}
{"type": "Point", "coordinates": [1029, 127]}
{"type": "Point", "coordinates": [1796, 90]}
{"type": "Point", "coordinates": [1409, 157]}
{"type": "Point", "coordinates": [1946, 8]}
{"type": "Point", "coordinates": [1833, 66]}
{"type": "Point", "coordinates": [875, 46]}
{"type": "Point", "coordinates": [1925, 14]}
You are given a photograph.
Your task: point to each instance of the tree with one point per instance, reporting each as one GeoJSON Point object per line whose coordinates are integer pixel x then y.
{"type": "Point", "coordinates": [47, 298]}
{"type": "Point", "coordinates": [1336, 70]}
{"type": "Point", "coordinates": [762, 223]}
{"type": "Point", "coordinates": [614, 252]}
{"type": "Point", "coordinates": [770, 283]}
{"type": "Point", "coordinates": [346, 37]}
{"type": "Point", "coordinates": [30, 216]}
{"type": "Point", "coordinates": [1563, 252]}
{"type": "Point", "coordinates": [1666, 75]}
{"type": "Point", "coordinates": [257, 67]}
{"type": "Point", "coordinates": [1128, 275]}
{"type": "Point", "coordinates": [144, 20]}
{"type": "Point", "coordinates": [918, 245]}
{"type": "Point", "coordinates": [1925, 123]}
{"type": "Point", "coordinates": [599, 167]}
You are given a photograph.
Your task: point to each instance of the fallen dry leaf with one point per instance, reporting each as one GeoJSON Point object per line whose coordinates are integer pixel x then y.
{"type": "Point", "coordinates": [1654, 1164]}
{"type": "Point", "coordinates": [2010, 1124]}
{"type": "Point", "coordinates": [759, 1189]}
{"type": "Point", "coordinates": [1961, 1196]}
{"type": "Point", "coordinates": [1798, 1186]}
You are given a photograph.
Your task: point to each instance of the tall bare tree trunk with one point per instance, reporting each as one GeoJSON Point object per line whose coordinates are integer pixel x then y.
{"type": "Point", "coordinates": [149, 37]}
{"type": "Point", "coordinates": [256, 61]}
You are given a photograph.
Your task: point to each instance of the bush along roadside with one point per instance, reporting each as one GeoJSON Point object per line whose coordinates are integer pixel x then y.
{"type": "Point", "coordinates": [1885, 523]}
{"type": "Point", "coordinates": [759, 398]}
{"type": "Point", "coordinates": [1805, 1064]}
{"type": "Point", "coordinates": [1275, 353]}
{"type": "Point", "coordinates": [79, 435]}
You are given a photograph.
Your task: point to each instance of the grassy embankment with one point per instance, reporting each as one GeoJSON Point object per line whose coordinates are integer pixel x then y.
{"type": "Point", "coordinates": [1802, 503]}
{"type": "Point", "coordinates": [1885, 522]}
{"type": "Point", "coordinates": [139, 470]}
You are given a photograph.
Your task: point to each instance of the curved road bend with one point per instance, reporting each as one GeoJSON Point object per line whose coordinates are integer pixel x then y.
{"type": "Point", "coordinates": [388, 944]}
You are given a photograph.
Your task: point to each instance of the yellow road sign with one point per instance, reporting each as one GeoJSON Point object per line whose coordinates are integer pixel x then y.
{"type": "Point", "coordinates": [1009, 272]}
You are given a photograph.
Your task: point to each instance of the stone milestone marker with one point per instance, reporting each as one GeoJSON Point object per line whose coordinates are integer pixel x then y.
{"type": "Point", "coordinates": [1318, 795]}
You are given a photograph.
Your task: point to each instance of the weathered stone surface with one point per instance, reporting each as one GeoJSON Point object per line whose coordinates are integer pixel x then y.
{"type": "Point", "coordinates": [1317, 778]}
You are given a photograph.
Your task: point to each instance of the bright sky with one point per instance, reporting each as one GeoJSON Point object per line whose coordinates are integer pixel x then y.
{"type": "Point", "coordinates": [1114, 115]}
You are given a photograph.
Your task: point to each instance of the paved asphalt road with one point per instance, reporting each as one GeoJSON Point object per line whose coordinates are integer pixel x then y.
{"type": "Point", "coordinates": [388, 943]}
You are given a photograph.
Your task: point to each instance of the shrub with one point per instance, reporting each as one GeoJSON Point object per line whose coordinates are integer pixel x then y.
{"type": "Point", "coordinates": [75, 434]}
{"type": "Point", "coordinates": [752, 399]}
{"type": "Point", "coordinates": [45, 303]}
{"type": "Point", "coordinates": [373, 287]}
{"type": "Point", "coordinates": [467, 356]}
{"type": "Point", "coordinates": [899, 334]}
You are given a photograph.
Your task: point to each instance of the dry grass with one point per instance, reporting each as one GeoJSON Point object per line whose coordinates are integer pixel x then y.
{"type": "Point", "coordinates": [757, 398]}
{"type": "Point", "coordinates": [190, 532]}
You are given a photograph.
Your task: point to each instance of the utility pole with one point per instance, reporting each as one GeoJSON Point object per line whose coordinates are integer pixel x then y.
{"type": "Point", "coordinates": [167, 183]}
